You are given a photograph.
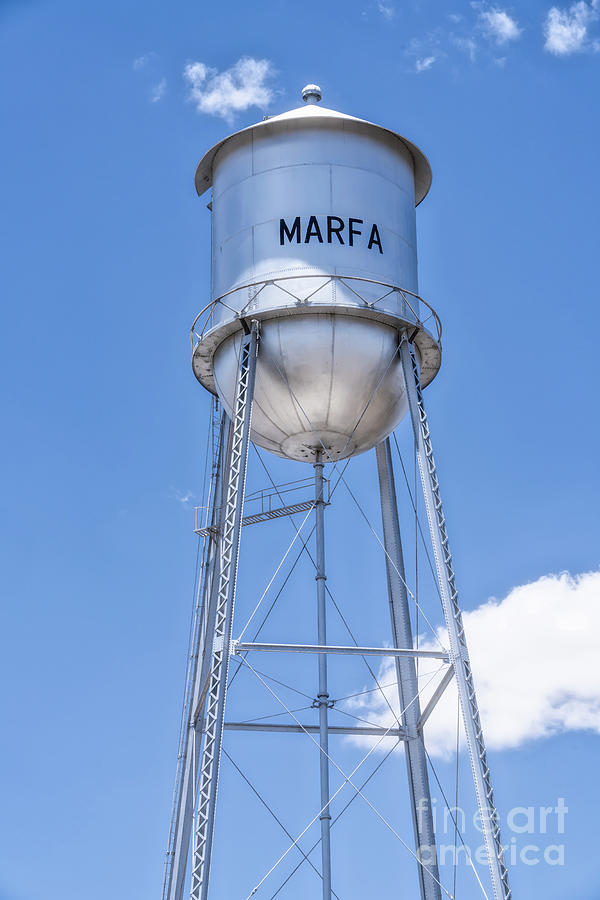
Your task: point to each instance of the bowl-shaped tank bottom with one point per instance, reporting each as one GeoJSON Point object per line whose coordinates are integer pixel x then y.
{"type": "Point", "coordinates": [324, 382]}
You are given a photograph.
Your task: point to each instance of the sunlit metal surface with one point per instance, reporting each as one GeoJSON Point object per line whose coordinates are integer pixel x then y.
{"type": "Point", "coordinates": [328, 374]}
{"type": "Point", "coordinates": [313, 115]}
{"type": "Point", "coordinates": [314, 235]}
{"type": "Point", "coordinates": [313, 394]}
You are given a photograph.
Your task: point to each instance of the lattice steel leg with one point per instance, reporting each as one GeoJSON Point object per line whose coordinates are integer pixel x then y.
{"type": "Point", "coordinates": [201, 652]}
{"type": "Point", "coordinates": [230, 543]}
{"type": "Point", "coordinates": [458, 646]}
{"type": "Point", "coordinates": [406, 673]}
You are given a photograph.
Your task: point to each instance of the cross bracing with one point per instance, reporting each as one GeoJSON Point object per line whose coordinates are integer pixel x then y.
{"type": "Point", "coordinates": [225, 642]}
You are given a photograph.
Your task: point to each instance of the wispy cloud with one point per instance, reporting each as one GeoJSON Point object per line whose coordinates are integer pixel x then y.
{"type": "Point", "coordinates": [183, 497]}
{"type": "Point", "coordinates": [498, 25]}
{"type": "Point", "coordinates": [567, 30]}
{"type": "Point", "coordinates": [421, 65]}
{"type": "Point", "coordinates": [475, 34]}
{"type": "Point", "coordinates": [386, 9]}
{"type": "Point", "coordinates": [535, 663]}
{"type": "Point", "coordinates": [233, 90]}
{"type": "Point", "coordinates": [141, 62]}
{"type": "Point", "coordinates": [466, 45]}
{"type": "Point", "coordinates": [158, 91]}
{"type": "Point", "coordinates": [145, 65]}
{"type": "Point", "coordinates": [425, 52]}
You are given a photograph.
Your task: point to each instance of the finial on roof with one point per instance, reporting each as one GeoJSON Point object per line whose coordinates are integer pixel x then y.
{"type": "Point", "coordinates": [311, 93]}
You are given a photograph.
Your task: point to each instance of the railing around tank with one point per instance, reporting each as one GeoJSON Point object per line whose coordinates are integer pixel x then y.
{"type": "Point", "coordinates": [205, 319]}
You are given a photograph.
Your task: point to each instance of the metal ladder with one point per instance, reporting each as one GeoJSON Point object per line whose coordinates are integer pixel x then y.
{"type": "Point", "coordinates": [453, 617]}
{"type": "Point", "coordinates": [190, 733]}
{"type": "Point", "coordinates": [230, 543]}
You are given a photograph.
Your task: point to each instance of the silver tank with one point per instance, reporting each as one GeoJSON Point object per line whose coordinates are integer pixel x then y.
{"type": "Point", "coordinates": [314, 235]}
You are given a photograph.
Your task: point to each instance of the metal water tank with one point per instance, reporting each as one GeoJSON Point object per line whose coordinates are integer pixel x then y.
{"type": "Point", "coordinates": [314, 235]}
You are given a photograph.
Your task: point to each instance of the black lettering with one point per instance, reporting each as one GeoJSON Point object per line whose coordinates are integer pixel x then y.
{"type": "Point", "coordinates": [353, 230]}
{"type": "Point", "coordinates": [374, 239]}
{"type": "Point", "coordinates": [313, 230]}
{"type": "Point", "coordinates": [331, 229]}
{"type": "Point", "coordinates": [285, 231]}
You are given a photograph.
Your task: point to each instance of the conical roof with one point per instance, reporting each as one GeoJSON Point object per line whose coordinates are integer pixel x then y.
{"type": "Point", "coordinates": [308, 113]}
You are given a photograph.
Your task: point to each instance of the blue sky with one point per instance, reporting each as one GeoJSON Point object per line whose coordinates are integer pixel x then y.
{"type": "Point", "coordinates": [105, 265]}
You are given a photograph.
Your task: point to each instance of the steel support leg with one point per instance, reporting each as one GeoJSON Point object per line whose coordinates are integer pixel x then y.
{"type": "Point", "coordinates": [452, 614]}
{"type": "Point", "coordinates": [323, 697]}
{"type": "Point", "coordinates": [406, 674]}
{"type": "Point", "coordinates": [209, 620]}
{"type": "Point", "coordinates": [217, 689]}
{"type": "Point", "coordinates": [200, 657]}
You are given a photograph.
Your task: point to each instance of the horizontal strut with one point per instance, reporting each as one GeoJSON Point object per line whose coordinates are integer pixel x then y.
{"type": "Point", "coordinates": [245, 647]}
{"type": "Point", "coordinates": [368, 731]}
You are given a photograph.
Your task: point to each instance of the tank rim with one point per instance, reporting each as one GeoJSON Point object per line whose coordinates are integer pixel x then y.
{"type": "Point", "coordinates": [205, 348]}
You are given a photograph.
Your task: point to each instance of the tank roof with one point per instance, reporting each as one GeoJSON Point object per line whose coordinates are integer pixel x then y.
{"type": "Point", "coordinates": [312, 112]}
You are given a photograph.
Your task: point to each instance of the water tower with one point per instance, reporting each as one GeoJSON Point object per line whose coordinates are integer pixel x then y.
{"type": "Point", "coordinates": [316, 343]}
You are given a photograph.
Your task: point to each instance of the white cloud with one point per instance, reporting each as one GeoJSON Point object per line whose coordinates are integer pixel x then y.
{"type": "Point", "coordinates": [158, 91]}
{"type": "Point", "coordinates": [566, 30]}
{"type": "Point", "coordinates": [470, 35]}
{"type": "Point", "coordinates": [468, 45]}
{"type": "Point", "coordinates": [183, 497]}
{"type": "Point", "coordinates": [425, 52]}
{"type": "Point", "coordinates": [236, 89]}
{"type": "Point", "coordinates": [387, 10]}
{"type": "Point", "coordinates": [535, 663]}
{"type": "Point", "coordinates": [421, 65]}
{"type": "Point", "coordinates": [498, 25]}
{"type": "Point", "coordinates": [142, 61]}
